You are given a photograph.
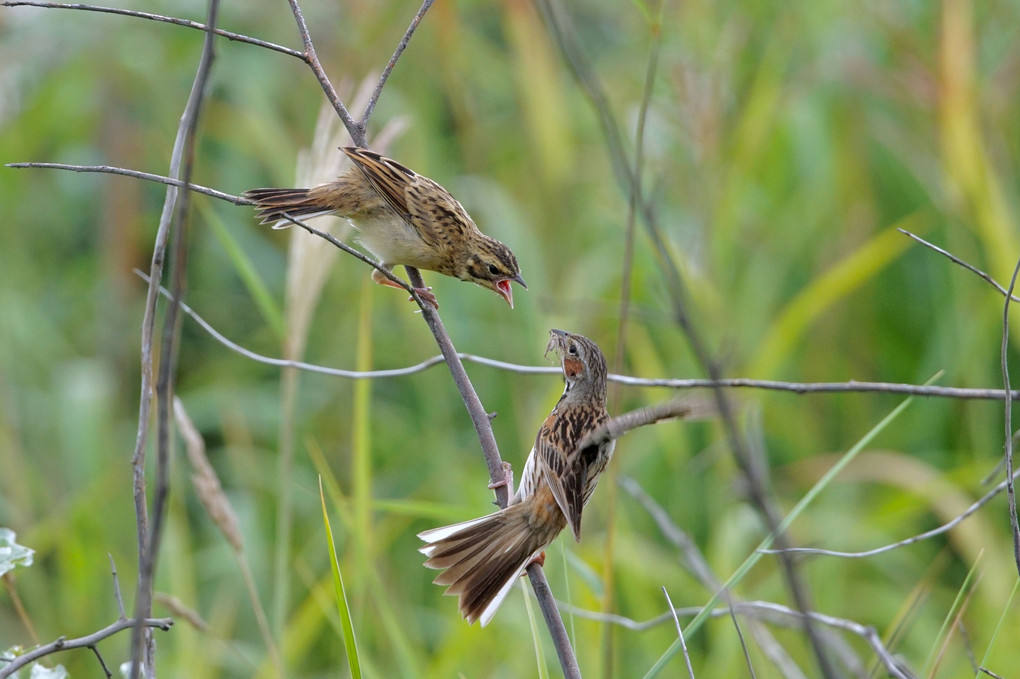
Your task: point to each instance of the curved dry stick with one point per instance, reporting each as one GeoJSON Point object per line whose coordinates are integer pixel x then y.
{"type": "Point", "coordinates": [374, 99]}
{"type": "Point", "coordinates": [312, 59]}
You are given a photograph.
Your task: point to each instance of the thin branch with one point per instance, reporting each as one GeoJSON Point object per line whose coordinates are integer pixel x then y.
{"type": "Point", "coordinates": [1008, 418]}
{"type": "Point", "coordinates": [64, 644]}
{"type": "Point", "coordinates": [956, 260]}
{"type": "Point", "coordinates": [312, 59]}
{"type": "Point", "coordinates": [187, 23]}
{"type": "Point", "coordinates": [171, 222]}
{"type": "Point", "coordinates": [363, 123]}
{"type": "Point", "coordinates": [160, 179]}
{"type": "Point", "coordinates": [629, 380]}
{"type": "Point", "coordinates": [944, 528]}
{"type": "Point", "coordinates": [102, 663]}
{"type": "Point", "coordinates": [479, 416]}
{"type": "Point", "coordinates": [987, 671]}
{"type": "Point", "coordinates": [336, 242]}
{"type": "Point", "coordinates": [621, 424]}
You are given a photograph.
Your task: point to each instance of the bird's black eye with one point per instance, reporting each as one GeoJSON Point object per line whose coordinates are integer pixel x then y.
{"type": "Point", "coordinates": [493, 269]}
{"type": "Point", "coordinates": [572, 350]}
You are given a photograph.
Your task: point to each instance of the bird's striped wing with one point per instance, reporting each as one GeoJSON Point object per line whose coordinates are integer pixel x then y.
{"type": "Point", "coordinates": [388, 177]}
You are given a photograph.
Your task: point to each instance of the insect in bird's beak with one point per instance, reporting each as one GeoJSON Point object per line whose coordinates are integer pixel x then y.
{"type": "Point", "coordinates": [555, 345]}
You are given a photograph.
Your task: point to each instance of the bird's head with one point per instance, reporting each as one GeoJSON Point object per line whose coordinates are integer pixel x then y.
{"type": "Point", "coordinates": [493, 265]}
{"type": "Point", "coordinates": [584, 366]}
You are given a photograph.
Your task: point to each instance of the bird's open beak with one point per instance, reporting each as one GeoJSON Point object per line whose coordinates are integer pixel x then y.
{"type": "Point", "coordinates": [504, 290]}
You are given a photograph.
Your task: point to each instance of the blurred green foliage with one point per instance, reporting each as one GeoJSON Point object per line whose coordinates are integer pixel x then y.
{"type": "Point", "coordinates": [784, 143]}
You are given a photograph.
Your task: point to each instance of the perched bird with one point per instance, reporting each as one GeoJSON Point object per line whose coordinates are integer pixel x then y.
{"type": "Point", "coordinates": [403, 218]}
{"type": "Point", "coordinates": [482, 559]}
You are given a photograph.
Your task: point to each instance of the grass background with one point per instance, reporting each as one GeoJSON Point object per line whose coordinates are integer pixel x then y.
{"type": "Point", "coordinates": [784, 143]}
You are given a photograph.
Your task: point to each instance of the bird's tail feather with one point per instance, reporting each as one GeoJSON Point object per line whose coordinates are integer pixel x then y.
{"type": "Point", "coordinates": [482, 559]}
{"type": "Point", "coordinates": [270, 204]}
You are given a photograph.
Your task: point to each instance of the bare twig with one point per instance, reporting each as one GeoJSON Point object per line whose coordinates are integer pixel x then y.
{"type": "Point", "coordinates": [1008, 418]}
{"type": "Point", "coordinates": [363, 123]}
{"type": "Point", "coordinates": [629, 380]}
{"type": "Point", "coordinates": [160, 179]}
{"type": "Point", "coordinates": [944, 528]}
{"type": "Point", "coordinates": [987, 671]}
{"type": "Point", "coordinates": [479, 416]}
{"type": "Point", "coordinates": [89, 641]}
{"type": "Point", "coordinates": [312, 59]}
{"type": "Point", "coordinates": [956, 260]}
{"type": "Point", "coordinates": [187, 23]}
{"type": "Point", "coordinates": [102, 663]}
{"type": "Point", "coordinates": [171, 222]}
{"type": "Point", "coordinates": [336, 242]}
{"type": "Point", "coordinates": [621, 424]}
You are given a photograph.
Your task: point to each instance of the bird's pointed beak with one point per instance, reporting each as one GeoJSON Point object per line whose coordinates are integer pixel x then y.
{"type": "Point", "coordinates": [506, 292]}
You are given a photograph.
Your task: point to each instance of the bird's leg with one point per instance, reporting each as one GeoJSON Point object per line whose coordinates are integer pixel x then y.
{"type": "Point", "coordinates": [538, 558]}
{"type": "Point", "coordinates": [425, 293]}
{"type": "Point", "coordinates": [508, 478]}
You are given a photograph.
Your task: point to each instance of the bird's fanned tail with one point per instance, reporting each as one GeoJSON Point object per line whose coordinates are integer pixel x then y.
{"type": "Point", "coordinates": [270, 204]}
{"type": "Point", "coordinates": [482, 559]}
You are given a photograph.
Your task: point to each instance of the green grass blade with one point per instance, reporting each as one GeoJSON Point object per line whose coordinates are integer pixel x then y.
{"type": "Point", "coordinates": [998, 627]}
{"type": "Point", "coordinates": [942, 638]}
{"type": "Point", "coordinates": [341, 598]}
{"type": "Point", "coordinates": [245, 269]}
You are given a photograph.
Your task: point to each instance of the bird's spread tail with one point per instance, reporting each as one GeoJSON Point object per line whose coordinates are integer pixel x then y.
{"type": "Point", "coordinates": [270, 204]}
{"type": "Point", "coordinates": [482, 559]}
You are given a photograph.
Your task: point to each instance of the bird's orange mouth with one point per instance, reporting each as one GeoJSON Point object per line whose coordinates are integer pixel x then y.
{"type": "Point", "coordinates": [503, 288]}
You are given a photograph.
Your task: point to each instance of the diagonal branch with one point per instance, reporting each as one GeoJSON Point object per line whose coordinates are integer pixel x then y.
{"type": "Point", "coordinates": [363, 123]}
{"type": "Point", "coordinates": [312, 59]}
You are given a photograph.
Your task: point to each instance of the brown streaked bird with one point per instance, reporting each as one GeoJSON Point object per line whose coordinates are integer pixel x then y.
{"type": "Point", "coordinates": [403, 218]}
{"type": "Point", "coordinates": [482, 559]}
